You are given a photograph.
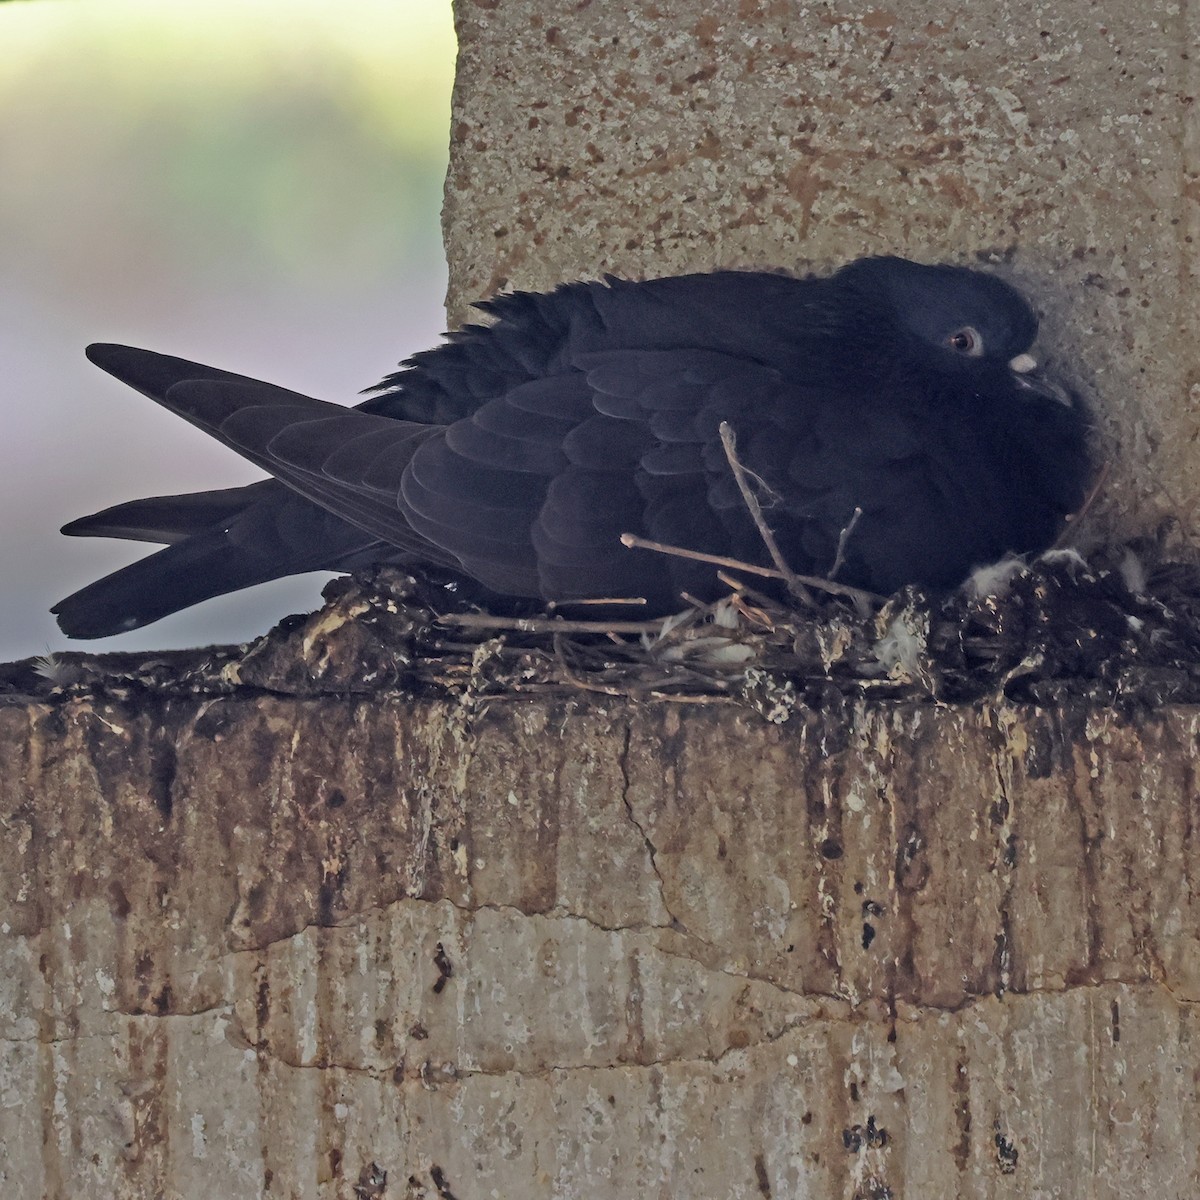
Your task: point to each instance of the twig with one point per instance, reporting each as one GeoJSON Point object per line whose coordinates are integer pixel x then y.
{"type": "Point", "coordinates": [446, 646]}
{"type": "Point", "coordinates": [545, 624]}
{"type": "Point", "coordinates": [739, 585]}
{"type": "Point", "coordinates": [752, 604]}
{"type": "Point", "coordinates": [840, 557]}
{"type": "Point", "coordinates": [631, 601]}
{"type": "Point", "coordinates": [640, 543]}
{"type": "Point", "coordinates": [797, 589]}
{"type": "Point", "coordinates": [858, 595]}
{"type": "Point", "coordinates": [1073, 519]}
{"type": "Point", "coordinates": [574, 679]}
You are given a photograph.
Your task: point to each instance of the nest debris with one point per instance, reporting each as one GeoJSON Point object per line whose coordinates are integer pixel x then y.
{"type": "Point", "coordinates": [1121, 629]}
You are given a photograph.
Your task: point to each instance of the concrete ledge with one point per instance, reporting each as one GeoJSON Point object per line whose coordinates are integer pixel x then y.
{"type": "Point", "coordinates": [265, 946]}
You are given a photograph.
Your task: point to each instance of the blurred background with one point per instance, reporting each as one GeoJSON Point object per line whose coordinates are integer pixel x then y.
{"type": "Point", "coordinates": [254, 184]}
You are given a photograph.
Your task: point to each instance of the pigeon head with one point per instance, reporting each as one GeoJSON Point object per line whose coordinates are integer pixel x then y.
{"type": "Point", "coordinates": [953, 319]}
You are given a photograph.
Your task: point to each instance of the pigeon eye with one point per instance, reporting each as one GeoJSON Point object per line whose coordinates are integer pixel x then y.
{"type": "Point", "coordinates": [966, 341]}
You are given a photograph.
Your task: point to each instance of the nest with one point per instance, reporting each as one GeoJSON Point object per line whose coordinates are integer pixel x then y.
{"type": "Point", "coordinates": [1122, 629]}
{"type": "Point", "coordinates": [1056, 630]}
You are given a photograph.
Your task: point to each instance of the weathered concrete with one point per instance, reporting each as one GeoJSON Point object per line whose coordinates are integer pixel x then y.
{"type": "Point", "coordinates": [658, 136]}
{"type": "Point", "coordinates": [253, 946]}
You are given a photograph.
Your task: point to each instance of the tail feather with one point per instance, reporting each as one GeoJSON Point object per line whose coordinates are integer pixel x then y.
{"type": "Point", "coordinates": [151, 373]}
{"type": "Point", "coordinates": [170, 519]}
{"type": "Point", "coordinates": [283, 535]}
{"type": "Point", "coordinates": [156, 586]}
{"type": "Point", "coordinates": [309, 517]}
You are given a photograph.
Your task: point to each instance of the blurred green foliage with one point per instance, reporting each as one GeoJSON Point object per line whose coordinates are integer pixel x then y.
{"type": "Point", "coordinates": [310, 138]}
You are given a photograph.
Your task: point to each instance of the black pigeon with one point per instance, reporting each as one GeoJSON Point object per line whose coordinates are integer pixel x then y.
{"type": "Point", "coordinates": [516, 454]}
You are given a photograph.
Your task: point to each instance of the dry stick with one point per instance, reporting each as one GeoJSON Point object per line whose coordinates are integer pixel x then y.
{"type": "Point", "coordinates": [630, 601]}
{"type": "Point", "coordinates": [633, 688]}
{"type": "Point", "coordinates": [797, 589]}
{"type": "Point", "coordinates": [858, 595]}
{"type": "Point", "coordinates": [1073, 519]}
{"type": "Point", "coordinates": [695, 698]}
{"type": "Point", "coordinates": [753, 605]}
{"type": "Point", "coordinates": [640, 543]}
{"type": "Point", "coordinates": [545, 624]}
{"type": "Point", "coordinates": [574, 679]}
{"type": "Point", "coordinates": [840, 557]}
{"type": "Point", "coordinates": [742, 587]}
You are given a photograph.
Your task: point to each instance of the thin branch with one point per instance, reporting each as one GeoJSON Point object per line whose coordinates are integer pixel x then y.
{"type": "Point", "coordinates": [752, 604]}
{"type": "Point", "coordinates": [1073, 519]}
{"type": "Point", "coordinates": [575, 680]}
{"type": "Point", "coordinates": [640, 543]}
{"type": "Point", "coordinates": [545, 624]}
{"type": "Point", "coordinates": [858, 595]}
{"type": "Point", "coordinates": [631, 601]}
{"type": "Point", "coordinates": [797, 589]}
{"type": "Point", "coordinates": [840, 557]}
{"type": "Point", "coordinates": [742, 587]}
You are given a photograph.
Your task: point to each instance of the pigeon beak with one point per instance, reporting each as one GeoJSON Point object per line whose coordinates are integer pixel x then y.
{"type": "Point", "coordinates": [1024, 366]}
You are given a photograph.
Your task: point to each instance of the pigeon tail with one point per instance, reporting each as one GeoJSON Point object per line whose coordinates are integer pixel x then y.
{"type": "Point", "coordinates": [281, 535]}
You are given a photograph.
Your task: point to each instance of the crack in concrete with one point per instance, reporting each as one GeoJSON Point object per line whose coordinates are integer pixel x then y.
{"type": "Point", "coordinates": [638, 928]}
{"type": "Point", "coordinates": [652, 932]}
{"type": "Point", "coordinates": [627, 803]}
{"type": "Point", "coordinates": [369, 911]}
{"type": "Point", "coordinates": [67, 1040]}
{"type": "Point", "coordinates": [858, 1016]}
{"type": "Point", "coordinates": [1002, 763]}
{"type": "Point", "coordinates": [117, 1015]}
{"type": "Point", "coordinates": [427, 1072]}
{"type": "Point", "coordinates": [644, 929]}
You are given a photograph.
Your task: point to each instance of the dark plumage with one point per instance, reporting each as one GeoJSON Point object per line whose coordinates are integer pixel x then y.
{"type": "Point", "coordinates": [516, 454]}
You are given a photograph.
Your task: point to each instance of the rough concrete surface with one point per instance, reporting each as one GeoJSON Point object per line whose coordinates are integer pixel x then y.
{"type": "Point", "coordinates": [1059, 140]}
{"type": "Point", "coordinates": [267, 946]}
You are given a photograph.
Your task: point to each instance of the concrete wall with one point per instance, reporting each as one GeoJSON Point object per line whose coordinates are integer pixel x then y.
{"type": "Point", "coordinates": [1058, 140]}
{"type": "Point", "coordinates": [271, 946]}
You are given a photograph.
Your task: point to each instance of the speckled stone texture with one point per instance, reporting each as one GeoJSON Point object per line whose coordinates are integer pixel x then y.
{"type": "Point", "coordinates": [259, 946]}
{"type": "Point", "coordinates": [1058, 140]}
